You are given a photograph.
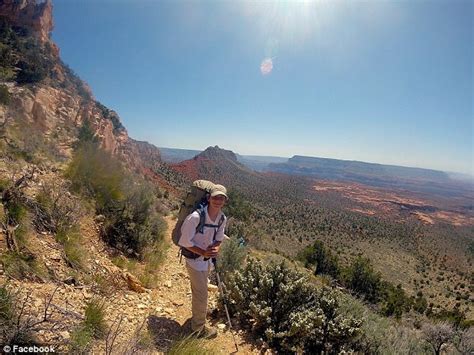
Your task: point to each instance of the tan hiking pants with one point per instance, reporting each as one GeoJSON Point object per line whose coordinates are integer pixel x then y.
{"type": "Point", "coordinates": [199, 297]}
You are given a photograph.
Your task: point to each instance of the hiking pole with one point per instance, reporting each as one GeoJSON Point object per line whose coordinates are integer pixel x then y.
{"type": "Point", "coordinates": [221, 289]}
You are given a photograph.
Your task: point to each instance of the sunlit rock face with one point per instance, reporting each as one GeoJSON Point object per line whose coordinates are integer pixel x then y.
{"type": "Point", "coordinates": [58, 106]}
{"type": "Point", "coordinates": [34, 15]}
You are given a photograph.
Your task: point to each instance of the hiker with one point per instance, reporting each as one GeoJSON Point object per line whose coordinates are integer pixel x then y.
{"type": "Point", "coordinates": [199, 249]}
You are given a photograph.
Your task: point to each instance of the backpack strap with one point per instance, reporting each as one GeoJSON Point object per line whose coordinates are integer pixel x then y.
{"type": "Point", "coordinates": [200, 229]}
{"type": "Point", "coordinates": [202, 220]}
{"type": "Point", "coordinates": [217, 227]}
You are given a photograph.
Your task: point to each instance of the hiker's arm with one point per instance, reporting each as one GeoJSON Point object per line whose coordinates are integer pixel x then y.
{"type": "Point", "coordinates": [213, 249]}
{"type": "Point", "coordinates": [188, 230]}
{"type": "Point", "coordinates": [209, 253]}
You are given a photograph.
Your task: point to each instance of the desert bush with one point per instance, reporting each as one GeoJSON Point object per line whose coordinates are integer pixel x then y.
{"type": "Point", "coordinates": [454, 316]}
{"type": "Point", "coordinates": [232, 256]}
{"type": "Point", "coordinates": [419, 303]}
{"type": "Point", "coordinates": [282, 306]}
{"type": "Point", "coordinates": [463, 340]}
{"type": "Point", "coordinates": [380, 334]}
{"type": "Point", "coordinates": [94, 319]}
{"type": "Point", "coordinates": [17, 216]}
{"type": "Point", "coordinates": [152, 256]}
{"type": "Point", "coordinates": [189, 346]}
{"type": "Point", "coordinates": [140, 342]}
{"type": "Point", "coordinates": [22, 56]}
{"type": "Point", "coordinates": [136, 225]}
{"type": "Point", "coordinates": [361, 277]}
{"type": "Point", "coordinates": [437, 335]}
{"type": "Point", "coordinates": [85, 136]}
{"type": "Point", "coordinates": [237, 206]}
{"type": "Point", "coordinates": [81, 340]}
{"type": "Point", "coordinates": [18, 265]}
{"type": "Point", "coordinates": [32, 69]}
{"type": "Point", "coordinates": [394, 300]}
{"type": "Point", "coordinates": [107, 285]}
{"type": "Point", "coordinates": [58, 211]}
{"type": "Point", "coordinates": [321, 259]}
{"type": "Point", "coordinates": [110, 115]}
{"type": "Point", "coordinates": [6, 305]}
{"type": "Point", "coordinates": [132, 223]}
{"type": "Point", "coordinates": [18, 323]}
{"type": "Point", "coordinates": [74, 250]}
{"type": "Point", "coordinates": [96, 174]}
{"type": "Point", "coordinates": [4, 95]}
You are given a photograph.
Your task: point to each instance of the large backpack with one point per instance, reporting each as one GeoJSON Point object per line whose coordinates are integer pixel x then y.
{"type": "Point", "coordinates": [196, 200]}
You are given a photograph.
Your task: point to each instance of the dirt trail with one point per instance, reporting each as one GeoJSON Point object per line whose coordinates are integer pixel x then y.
{"type": "Point", "coordinates": [175, 292]}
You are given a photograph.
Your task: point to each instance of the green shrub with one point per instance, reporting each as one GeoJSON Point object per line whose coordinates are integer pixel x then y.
{"type": "Point", "coordinates": [23, 54]}
{"type": "Point", "coordinates": [136, 225]}
{"type": "Point", "coordinates": [86, 135]}
{"type": "Point", "coordinates": [75, 253]}
{"type": "Point", "coordinates": [361, 277]}
{"type": "Point", "coordinates": [394, 300]}
{"type": "Point", "coordinates": [4, 184]}
{"type": "Point", "coordinates": [6, 305]}
{"type": "Point", "coordinates": [321, 258]}
{"type": "Point", "coordinates": [17, 215]}
{"type": "Point", "coordinates": [112, 116]}
{"type": "Point", "coordinates": [231, 257]}
{"type": "Point", "coordinates": [16, 211]}
{"type": "Point", "coordinates": [132, 222]}
{"type": "Point", "coordinates": [59, 211]}
{"type": "Point", "coordinates": [32, 69]}
{"type": "Point", "coordinates": [189, 346]}
{"type": "Point", "coordinates": [419, 303]}
{"type": "Point", "coordinates": [60, 214]}
{"type": "Point", "coordinates": [4, 95]}
{"type": "Point", "coordinates": [22, 266]}
{"type": "Point", "coordinates": [15, 326]}
{"type": "Point", "coordinates": [96, 174]}
{"type": "Point", "coordinates": [94, 318]}
{"type": "Point", "coordinates": [282, 306]}
{"type": "Point", "coordinates": [237, 207]}
{"type": "Point", "coordinates": [454, 316]}
{"type": "Point", "coordinates": [152, 256]}
{"type": "Point", "coordinates": [81, 340]}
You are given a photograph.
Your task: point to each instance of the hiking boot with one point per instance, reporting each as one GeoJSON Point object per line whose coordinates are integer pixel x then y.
{"type": "Point", "coordinates": [206, 332]}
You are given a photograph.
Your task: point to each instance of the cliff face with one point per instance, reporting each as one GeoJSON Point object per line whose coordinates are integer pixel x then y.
{"type": "Point", "coordinates": [58, 104]}
{"type": "Point", "coordinates": [56, 114]}
{"type": "Point", "coordinates": [36, 16]}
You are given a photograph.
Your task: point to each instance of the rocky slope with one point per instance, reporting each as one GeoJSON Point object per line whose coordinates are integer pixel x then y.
{"type": "Point", "coordinates": [140, 319]}
{"type": "Point", "coordinates": [56, 106]}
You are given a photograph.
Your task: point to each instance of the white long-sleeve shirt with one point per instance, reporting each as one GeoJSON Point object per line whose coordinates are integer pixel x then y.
{"type": "Point", "coordinates": [191, 238]}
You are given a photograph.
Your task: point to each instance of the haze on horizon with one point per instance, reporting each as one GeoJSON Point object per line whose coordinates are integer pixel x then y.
{"type": "Point", "coordinates": [382, 82]}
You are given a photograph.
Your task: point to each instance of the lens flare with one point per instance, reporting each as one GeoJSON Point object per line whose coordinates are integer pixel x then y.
{"type": "Point", "coordinates": [267, 66]}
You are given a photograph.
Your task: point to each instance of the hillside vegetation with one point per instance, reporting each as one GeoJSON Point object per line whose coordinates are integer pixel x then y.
{"type": "Point", "coordinates": [284, 214]}
{"type": "Point", "coordinates": [86, 266]}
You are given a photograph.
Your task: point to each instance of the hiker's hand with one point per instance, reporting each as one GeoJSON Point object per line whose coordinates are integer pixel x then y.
{"type": "Point", "coordinates": [211, 251]}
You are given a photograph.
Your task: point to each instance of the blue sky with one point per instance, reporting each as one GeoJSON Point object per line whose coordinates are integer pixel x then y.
{"type": "Point", "coordinates": [377, 81]}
